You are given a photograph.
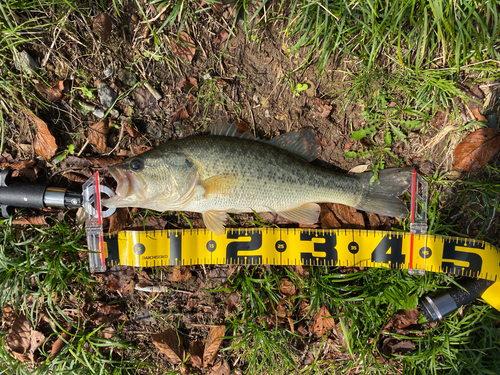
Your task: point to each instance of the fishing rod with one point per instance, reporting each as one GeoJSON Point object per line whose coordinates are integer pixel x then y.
{"type": "Point", "coordinates": [416, 251]}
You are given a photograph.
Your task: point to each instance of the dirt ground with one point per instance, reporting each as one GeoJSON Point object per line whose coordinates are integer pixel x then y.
{"type": "Point", "coordinates": [248, 80]}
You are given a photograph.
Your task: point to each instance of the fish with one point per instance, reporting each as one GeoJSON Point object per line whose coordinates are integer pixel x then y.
{"type": "Point", "coordinates": [233, 172]}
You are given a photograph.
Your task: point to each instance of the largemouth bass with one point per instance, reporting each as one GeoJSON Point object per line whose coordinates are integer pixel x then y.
{"type": "Point", "coordinates": [229, 172]}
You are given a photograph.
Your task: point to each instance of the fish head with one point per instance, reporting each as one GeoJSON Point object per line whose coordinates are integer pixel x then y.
{"type": "Point", "coordinates": [152, 180]}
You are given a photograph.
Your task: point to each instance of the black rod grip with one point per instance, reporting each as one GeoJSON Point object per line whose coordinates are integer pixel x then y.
{"type": "Point", "coordinates": [436, 307]}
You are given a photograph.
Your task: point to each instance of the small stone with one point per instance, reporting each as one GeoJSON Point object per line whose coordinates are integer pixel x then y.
{"type": "Point", "coordinates": [25, 63]}
{"type": "Point", "coordinates": [99, 112]}
{"type": "Point", "coordinates": [153, 131]}
{"type": "Point", "coordinates": [114, 113]}
{"type": "Point", "coordinates": [311, 89]}
{"type": "Point", "coordinates": [109, 71]}
{"type": "Point", "coordinates": [206, 77]}
{"type": "Point", "coordinates": [266, 113]}
{"type": "Point", "coordinates": [128, 102]}
{"type": "Point", "coordinates": [84, 107]}
{"type": "Point", "coordinates": [107, 96]}
{"type": "Point", "coordinates": [127, 77]}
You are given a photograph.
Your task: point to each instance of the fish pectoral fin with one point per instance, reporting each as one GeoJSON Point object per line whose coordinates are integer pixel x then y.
{"type": "Point", "coordinates": [220, 184]}
{"type": "Point", "coordinates": [214, 221]}
{"type": "Point", "coordinates": [306, 214]}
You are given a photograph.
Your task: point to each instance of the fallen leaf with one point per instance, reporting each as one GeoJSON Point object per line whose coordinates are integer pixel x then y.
{"type": "Point", "coordinates": [22, 340]}
{"type": "Point", "coordinates": [439, 119]}
{"type": "Point", "coordinates": [140, 149]}
{"type": "Point", "coordinates": [191, 100]}
{"type": "Point", "coordinates": [301, 271]}
{"type": "Point", "coordinates": [131, 131]}
{"type": "Point", "coordinates": [348, 216]}
{"type": "Point", "coordinates": [180, 273]}
{"type": "Point", "coordinates": [97, 134]}
{"type": "Point", "coordinates": [220, 368]}
{"type": "Point", "coordinates": [44, 143]}
{"type": "Point", "coordinates": [477, 149]}
{"type": "Point", "coordinates": [101, 313]}
{"type": "Point", "coordinates": [34, 220]}
{"type": "Point", "coordinates": [187, 84]}
{"type": "Point", "coordinates": [196, 353]}
{"type": "Point", "coordinates": [287, 287]}
{"type": "Point", "coordinates": [118, 220]}
{"type": "Point", "coordinates": [392, 345]}
{"type": "Point", "coordinates": [403, 319]}
{"type": "Point", "coordinates": [179, 115]}
{"type": "Point", "coordinates": [476, 98]}
{"type": "Point", "coordinates": [103, 25]}
{"type": "Point", "coordinates": [144, 316]}
{"type": "Point", "coordinates": [145, 102]}
{"type": "Point", "coordinates": [322, 324]}
{"type": "Point", "coordinates": [170, 344]}
{"type": "Point", "coordinates": [359, 169]}
{"type": "Point", "coordinates": [327, 218]}
{"type": "Point", "coordinates": [8, 315]}
{"type": "Point", "coordinates": [29, 174]}
{"type": "Point", "coordinates": [478, 115]}
{"type": "Point", "coordinates": [75, 177]}
{"type": "Point", "coordinates": [118, 277]}
{"type": "Point", "coordinates": [55, 91]}
{"type": "Point", "coordinates": [322, 109]}
{"type": "Point", "coordinates": [184, 47]}
{"type": "Point", "coordinates": [61, 342]}
{"type": "Point", "coordinates": [214, 339]}
{"type": "Point", "coordinates": [233, 302]}
{"type": "Point", "coordinates": [221, 37]}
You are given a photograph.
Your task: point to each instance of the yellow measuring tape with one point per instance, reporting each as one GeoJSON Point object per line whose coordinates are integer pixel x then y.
{"type": "Point", "coordinates": [294, 246]}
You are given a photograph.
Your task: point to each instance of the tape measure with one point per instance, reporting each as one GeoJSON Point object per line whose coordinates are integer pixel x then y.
{"type": "Point", "coordinates": [298, 246]}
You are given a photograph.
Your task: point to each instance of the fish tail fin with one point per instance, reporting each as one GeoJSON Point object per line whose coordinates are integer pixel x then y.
{"type": "Point", "coordinates": [382, 197]}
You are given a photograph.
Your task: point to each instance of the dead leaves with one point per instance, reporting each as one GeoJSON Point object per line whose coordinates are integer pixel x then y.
{"type": "Point", "coordinates": [171, 343]}
{"type": "Point", "coordinates": [322, 109]}
{"type": "Point", "coordinates": [23, 340]}
{"type": "Point", "coordinates": [215, 337]}
{"type": "Point", "coordinates": [477, 149]}
{"type": "Point", "coordinates": [55, 91]}
{"type": "Point", "coordinates": [44, 143]}
{"type": "Point", "coordinates": [102, 25]}
{"type": "Point", "coordinates": [184, 47]}
{"type": "Point", "coordinates": [322, 322]}
{"type": "Point", "coordinates": [98, 133]}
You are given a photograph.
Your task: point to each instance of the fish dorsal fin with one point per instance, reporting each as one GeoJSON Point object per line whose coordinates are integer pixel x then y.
{"type": "Point", "coordinates": [302, 143]}
{"type": "Point", "coordinates": [306, 214]}
{"type": "Point", "coordinates": [227, 129]}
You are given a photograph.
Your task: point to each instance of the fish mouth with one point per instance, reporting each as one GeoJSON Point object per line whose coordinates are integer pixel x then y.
{"type": "Point", "coordinates": [127, 185]}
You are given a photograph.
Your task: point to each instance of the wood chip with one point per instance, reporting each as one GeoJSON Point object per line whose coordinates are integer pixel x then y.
{"type": "Point", "coordinates": [214, 339]}
{"type": "Point", "coordinates": [170, 344]}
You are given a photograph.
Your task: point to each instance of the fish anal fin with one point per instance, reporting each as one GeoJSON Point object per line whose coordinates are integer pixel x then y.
{"type": "Point", "coordinates": [303, 143]}
{"type": "Point", "coordinates": [306, 214]}
{"type": "Point", "coordinates": [214, 221]}
{"type": "Point", "coordinates": [220, 184]}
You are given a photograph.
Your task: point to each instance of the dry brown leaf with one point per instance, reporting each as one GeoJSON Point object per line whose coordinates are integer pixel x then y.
{"type": "Point", "coordinates": [103, 26]}
{"type": "Point", "coordinates": [404, 319]}
{"type": "Point", "coordinates": [140, 149]}
{"type": "Point", "coordinates": [44, 143]}
{"type": "Point", "coordinates": [322, 108]}
{"type": "Point", "coordinates": [196, 353]}
{"type": "Point", "coordinates": [220, 368]}
{"type": "Point", "coordinates": [349, 216]}
{"type": "Point", "coordinates": [180, 273]}
{"type": "Point", "coordinates": [61, 341]}
{"type": "Point", "coordinates": [301, 271]}
{"type": "Point", "coordinates": [327, 218]}
{"type": "Point", "coordinates": [214, 339]}
{"type": "Point", "coordinates": [221, 37]}
{"type": "Point", "coordinates": [29, 174]}
{"type": "Point", "coordinates": [477, 149]}
{"type": "Point", "coordinates": [187, 85]}
{"type": "Point", "coordinates": [233, 302]}
{"type": "Point", "coordinates": [392, 345]}
{"type": "Point", "coordinates": [131, 131]}
{"type": "Point", "coordinates": [75, 177]}
{"type": "Point", "coordinates": [55, 91]}
{"type": "Point", "coordinates": [8, 315]}
{"type": "Point", "coordinates": [287, 288]}
{"type": "Point", "coordinates": [23, 340]}
{"type": "Point", "coordinates": [97, 134]}
{"type": "Point", "coordinates": [184, 47]}
{"type": "Point", "coordinates": [478, 115]}
{"type": "Point", "coordinates": [179, 115]}
{"type": "Point", "coordinates": [170, 344]}
{"type": "Point", "coordinates": [322, 324]}
{"type": "Point", "coordinates": [118, 277]}
{"type": "Point", "coordinates": [34, 220]}
{"type": "Point", "coordinates": [118, 220]}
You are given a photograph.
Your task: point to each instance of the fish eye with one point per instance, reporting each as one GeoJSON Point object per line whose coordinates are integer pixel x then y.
{"type": "Point", "coordinates": [136, 165]}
